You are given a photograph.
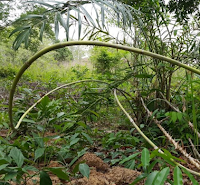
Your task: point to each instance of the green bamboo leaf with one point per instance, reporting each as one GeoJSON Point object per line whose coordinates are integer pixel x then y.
{"type": "Point", "coordinates": [97, 14]}
{"type": "Point", "coordinates": [45, 179]}
{"type": "Point", "coordinates": [178, 178]}
{"type": "Point", "coordinates": [84, 169]}
{"type": "Point", "coordinates": [151, 166]}
{"type": "Point", "coordinates": [87, 137]}
{"type": "Point", "coordinates": [42, 3]}
{"type": "Point", "coordinates": [129, 158]}
{"type": "Point", "coordinates": [161, 176]}
{"type": "Point", "coordinates": [151, 177]}
{"type": "Point", "coordinates": [139, 178]}
{"type": "Point", "coordinates": [81, 153]}
{"type": "Point", "coordinates": [42, 30]}
{"type": "Point", "coordinates": [88, 15]}
{"type": "Point", "coordinates": [19, 29]}
{"type": "Point", "coordinates": [38, 153]}
{"type": "Point", "coordinates": [194, 181]}
{"type": "Point", "coordinates": [3, 166]}
{"type": "Point", "coordinates": [67, 25]}
{"type": "Point", "coordinates": [102, 17]}
{"type": "Point", "coordinates": [122, 12]}
{"type": "Point", "coordinates": [17, 156]}
{"type": "Point", "coordinates": [145, 157]}
{"type": "Point", "coordinates": [28, 120]}
{"type": "Point", "coordinates": [22, 37]}
{"type": "Point", "coordinates": [56, 24]}
{"type": "Point", "coordinates": [74, 141]}
{"type": "Point", "coordinates": [26, 38]}
{"type": "Point", "coordinates": [173, 117]}
{"type": "Point", "coordinates": [33, 16]}
{"type": "Point", "coordinates": [79, 25]}
{"type": "Point", "coordinates": [62, 21]}
{"type": "Point", "coordinates": [59, 173]}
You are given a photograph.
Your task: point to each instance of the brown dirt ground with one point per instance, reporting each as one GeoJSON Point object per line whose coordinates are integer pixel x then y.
{"type": "Point", "coordinates": [100, 174]}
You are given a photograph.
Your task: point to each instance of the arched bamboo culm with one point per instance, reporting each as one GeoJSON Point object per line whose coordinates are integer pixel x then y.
{"type": "Point", "coordinates": [95, 43]}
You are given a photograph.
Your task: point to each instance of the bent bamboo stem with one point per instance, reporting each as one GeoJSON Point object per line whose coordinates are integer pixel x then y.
{"type": "Point", "coordinates": [62, 86]}
{"type": "Point", "coordinates": [195, 162]}
{"type": "Point", "coordinates": [96, 43]}
{"type": "Point", "coordinates": [147, 139]}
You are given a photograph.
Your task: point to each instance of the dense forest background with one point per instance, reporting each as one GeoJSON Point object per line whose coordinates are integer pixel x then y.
{"type": "Point", "coordinates": [96, 114]}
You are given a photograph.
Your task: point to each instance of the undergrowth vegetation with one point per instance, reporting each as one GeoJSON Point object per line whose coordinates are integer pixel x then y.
{"type": "Point", "coordinates": [133, 105]}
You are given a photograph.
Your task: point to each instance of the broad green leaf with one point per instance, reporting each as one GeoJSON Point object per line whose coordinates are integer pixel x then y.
{"type": "Point", "coordinates": [87, 137]}
{"type": "Point", "coordinates": [76, 168]}
{"type": "Point", "coordinates": [22, 37]}
{"type": "Point", "coordinates": [39, 140]}
{"type": "Point", "coordinates": [178, 178]}
{"type": "Point", "coordinates": [145, 157]}
{"type": "Point", "coordinates": [174, 117]}
{"type": "Point", "coordinates": [81, 153]}
{"type": "Point", "coordinates": [17, 156]}
{"type": "Point", "coordinates": [30, 168]}
{"type": "Point", "coordinates": [74, 141]}
{"type": "Point", "coordinates": [19, 29]}
{"type": "Point", "coordinates": [93, 112]}
{"type": "Point", "coordinates": [3, 161]}
{"type": "Point", "coordinates": [151, 166]}
{"type": "Point", "coordinates": [60, 114]}
{"type": "Point", "coordinates": [139, 178]}
{"type": "Point", "coordinates": [87, 15]}
{"type": "Point", "coordinates": [179, 116]}
{"type": "Point", "coordinates": [74, 136]}
{"type": "Point", "coordinates": [67, 126]}
{"type": "Point", "coordinates": [194, 181]}
{"type": "Point", "coordinates": [59, 173]}
{"type": "Point", "coordinates": [130, 165]}
{"type": "Point", "coordinates": [28, 120]}
{"type": "Point", "coordinates": [129, 158]}
{"type": "Point", "coordinates": [161, 177]}
{"type": "Point", "coordinates": [84, 169]}
{"type": "Point", "coordinates": [45, 179]}
{"type": "Point", "coordinates": [38, 153]}
{"type": "Point", "coordinates": [62, 21]}
{"type": "Point", "coordinates": [3, 166]}
{"type": "Point", "coordinates": [150, 178]}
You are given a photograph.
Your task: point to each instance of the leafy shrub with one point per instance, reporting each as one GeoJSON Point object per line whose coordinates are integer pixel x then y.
{"type": "Point", "coordinates": [106, 60]}
{"type": "Point", "coordinates": [7, 72]}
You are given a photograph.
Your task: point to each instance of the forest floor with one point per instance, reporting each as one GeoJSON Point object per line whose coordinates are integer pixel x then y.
{"type": "Point", "coordinates": [101, 173]}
